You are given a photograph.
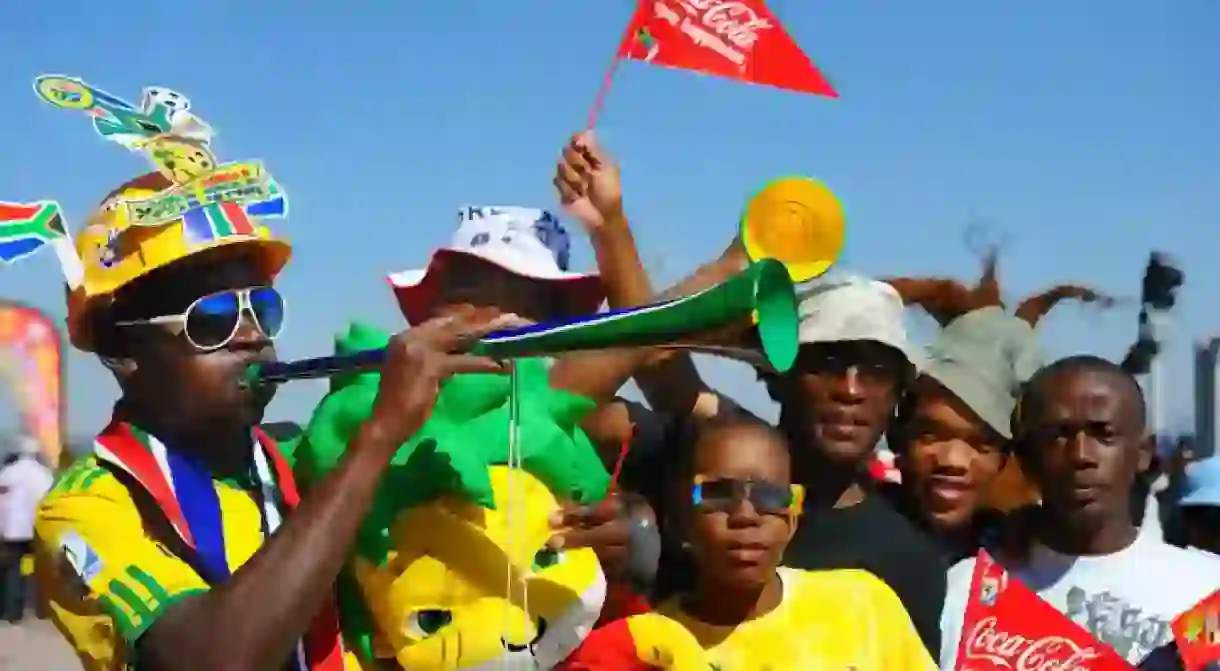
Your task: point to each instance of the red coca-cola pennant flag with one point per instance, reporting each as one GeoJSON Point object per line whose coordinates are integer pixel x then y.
{"type": "Point", "coordinates": [1197, 632]}
{"type": "Point", "coordinates": [739, 39]}
{"type": "Point", "coordinates": [1008, 627]}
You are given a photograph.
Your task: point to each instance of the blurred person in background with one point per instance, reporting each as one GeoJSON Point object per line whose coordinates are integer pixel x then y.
{"type": "Point", "coordinates": [1167, 487]}
{"type": "Point", "coordinates": [24, 480]}
{"type": "Point", "coordinates": [1200, 505]}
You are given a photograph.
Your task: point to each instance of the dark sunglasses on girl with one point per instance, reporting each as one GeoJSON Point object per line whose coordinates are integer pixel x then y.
{"type": "Point", "coordinates": [212, 321]}
{"type": "Point", "coordinates": [768, 498]}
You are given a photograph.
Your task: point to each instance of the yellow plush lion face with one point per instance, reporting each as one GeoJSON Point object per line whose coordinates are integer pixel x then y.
{"type": "Point", "coordinates": [467, 587]}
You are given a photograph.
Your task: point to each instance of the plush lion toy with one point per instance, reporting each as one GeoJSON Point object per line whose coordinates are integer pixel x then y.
{"type": "Point", "coordinates": [452, 568]}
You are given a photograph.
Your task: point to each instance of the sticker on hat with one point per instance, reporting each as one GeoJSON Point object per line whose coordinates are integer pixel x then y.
{"type": "Point", "coordinates": [797, 221]}
{"type": "Point", "coordinates": [212, 200]}
{"type": "Point", "coordinates": [246, 184]}
{"type": "Point", "coordinates": [162, 127]}
{"type": "Point", "coordinates": [161, 111]}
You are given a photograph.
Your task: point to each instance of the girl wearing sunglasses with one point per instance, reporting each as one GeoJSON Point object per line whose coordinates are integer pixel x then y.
{"type": "Point", "coordinates": [736, 509]}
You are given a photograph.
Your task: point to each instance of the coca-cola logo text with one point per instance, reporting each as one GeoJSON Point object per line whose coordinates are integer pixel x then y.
{"type": "Point", "coordinates": [735, 22]}
{"type": "Point", "coordinates": [1019, 653]}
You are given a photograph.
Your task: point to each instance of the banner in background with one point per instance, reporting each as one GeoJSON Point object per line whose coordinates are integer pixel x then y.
{"type": "Point", "coordinates": [31, 360]}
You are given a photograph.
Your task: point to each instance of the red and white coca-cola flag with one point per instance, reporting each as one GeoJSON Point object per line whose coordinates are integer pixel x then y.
{"type": "Point", "coordinates": [1197, 633]}
{"type": "Point", "coordinates": [739, 39]}
{"type": "Point", "coordinates": [1008, 627]}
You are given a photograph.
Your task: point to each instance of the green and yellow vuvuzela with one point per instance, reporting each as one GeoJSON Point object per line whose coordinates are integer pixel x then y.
{"type": "Point", "coordinates": [763, 292]}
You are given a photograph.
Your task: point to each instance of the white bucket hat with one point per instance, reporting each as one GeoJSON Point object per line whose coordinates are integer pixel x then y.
{"type": "Point", "coordinates": [847, 308]}
{"type": "Point", "coordinates": [524, 241]}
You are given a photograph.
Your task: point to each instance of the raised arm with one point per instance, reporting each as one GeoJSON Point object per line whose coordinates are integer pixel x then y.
{"type": "Point", "coordinates": [1033, 309]}
{"type": "Point", "coordinates": [587, 180]}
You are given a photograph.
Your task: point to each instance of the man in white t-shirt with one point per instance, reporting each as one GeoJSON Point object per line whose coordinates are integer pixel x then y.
{"type": "Point", "coordinates": [23, 483]}
{"type": "Point", "coordinates": [1080, 432]}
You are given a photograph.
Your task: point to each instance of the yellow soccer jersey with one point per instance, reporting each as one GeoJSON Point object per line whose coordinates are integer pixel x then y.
{"type": "Point", "coordinates": [843, 619]}
{"type": "Point", "coordinates": [105, 578]}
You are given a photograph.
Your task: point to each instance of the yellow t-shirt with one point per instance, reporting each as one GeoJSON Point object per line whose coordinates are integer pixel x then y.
{"type": "Point", "coordinates": [843, 619]}
{"type": "Point", "coordinates": [106, 580]}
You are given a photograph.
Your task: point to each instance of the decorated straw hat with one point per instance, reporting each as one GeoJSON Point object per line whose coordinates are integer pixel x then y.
{"type": "Point", "coordinates": [114, 252]}
{"type": "Point", "coordinates": [192, 205]}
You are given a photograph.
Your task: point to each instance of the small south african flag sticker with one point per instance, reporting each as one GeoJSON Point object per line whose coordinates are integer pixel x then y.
{"type": "Point", "coordinates": [214, 222]}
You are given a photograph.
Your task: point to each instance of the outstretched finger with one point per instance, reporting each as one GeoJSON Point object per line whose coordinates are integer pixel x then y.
{"type": "Point", "coordinates": [451, 333]}
{"type": "Point", "coordinates": [465, 333]}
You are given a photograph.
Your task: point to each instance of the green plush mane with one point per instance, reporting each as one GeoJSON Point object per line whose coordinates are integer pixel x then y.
{"type": "Point", "coordinates": [467, 432]}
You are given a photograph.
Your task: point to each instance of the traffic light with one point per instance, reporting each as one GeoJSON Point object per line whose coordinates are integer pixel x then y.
{"type": "Point", "coordinates": [1162, 280]}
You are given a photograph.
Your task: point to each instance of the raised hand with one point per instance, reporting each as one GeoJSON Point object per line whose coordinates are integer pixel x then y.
{"type": "Point", "coordinates": [587, 180]}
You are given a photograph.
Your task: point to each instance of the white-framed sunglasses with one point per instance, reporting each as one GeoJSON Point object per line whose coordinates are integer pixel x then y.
{"type": "Point", "coordinates": [212, 321]}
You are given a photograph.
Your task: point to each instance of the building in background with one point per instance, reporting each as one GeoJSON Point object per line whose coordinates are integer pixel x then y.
{"type": "Point", "coordinates": [1205, 397]}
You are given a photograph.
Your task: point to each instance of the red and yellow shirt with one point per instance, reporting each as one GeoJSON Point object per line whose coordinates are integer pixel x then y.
{"type": "Point", "coordinates": [842, 619]}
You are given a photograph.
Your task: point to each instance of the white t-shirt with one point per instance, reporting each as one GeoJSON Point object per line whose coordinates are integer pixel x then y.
{"type": "Point", "coordinates": [23, 483]}
{"type": "Point", "coordinates": [1126, 600]}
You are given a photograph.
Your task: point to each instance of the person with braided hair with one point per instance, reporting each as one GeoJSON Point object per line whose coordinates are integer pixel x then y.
{"type": "Point", "coordinates": [951, 435]}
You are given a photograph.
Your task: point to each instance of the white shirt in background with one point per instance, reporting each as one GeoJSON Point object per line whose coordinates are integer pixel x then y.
{"type": "Point", "coordinates": [1126, 600]}
{"type": "Point", "coordinates": [23, 483]}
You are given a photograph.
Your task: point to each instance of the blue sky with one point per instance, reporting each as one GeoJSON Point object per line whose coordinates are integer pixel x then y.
{"type": "Point", "coordinates": [1086, 131]}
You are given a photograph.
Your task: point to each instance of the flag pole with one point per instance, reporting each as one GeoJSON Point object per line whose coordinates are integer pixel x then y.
{"type": "Point", "coordinates": [602, 91]}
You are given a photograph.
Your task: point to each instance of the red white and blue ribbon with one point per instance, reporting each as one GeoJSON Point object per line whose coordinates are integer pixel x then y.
{"type": "Point", "coordinates": [187, 496]}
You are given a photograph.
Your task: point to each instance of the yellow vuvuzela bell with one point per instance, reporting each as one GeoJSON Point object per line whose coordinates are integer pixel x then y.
{"type": "Point", "coordinates": [797, 221]}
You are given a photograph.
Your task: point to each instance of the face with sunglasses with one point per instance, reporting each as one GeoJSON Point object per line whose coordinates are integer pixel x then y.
{"type": "Point", "coordinates": [186, 334]}
{"type": "Point", "coordinates": [839, 397]}
{"type": "Point", "coordinates": [740, 505]}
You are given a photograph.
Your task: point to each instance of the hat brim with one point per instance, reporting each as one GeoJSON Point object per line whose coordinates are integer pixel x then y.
{"type": "Point", "coordinates": [416, 289]}
{"type": "Point", "coordinates": [957, 379]}
{"type": "Point", "coordinates": [270, 254]}
{"type": "Point", "coordinates": [810, 335]}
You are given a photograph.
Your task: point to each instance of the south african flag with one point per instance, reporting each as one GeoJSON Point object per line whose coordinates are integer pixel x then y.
{"type": "Point", "coordinates": [216, 222]}
{"type": "Point", "coordinates": [24, 229]}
